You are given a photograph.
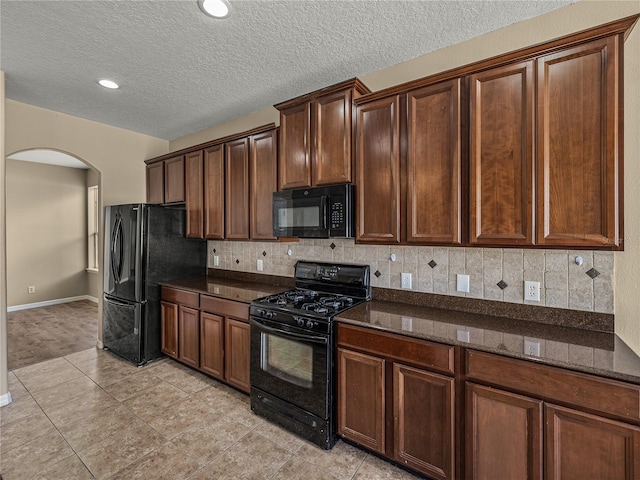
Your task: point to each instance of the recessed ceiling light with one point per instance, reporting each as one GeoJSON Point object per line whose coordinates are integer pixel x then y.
{"type": "Point", "coordinates": [215, 8]}
{"type": "Point", "coordinates": [108, 83]}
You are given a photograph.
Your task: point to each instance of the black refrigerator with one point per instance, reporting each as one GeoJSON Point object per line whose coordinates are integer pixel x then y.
{"type": "Point", "coordinates": [143, 246]}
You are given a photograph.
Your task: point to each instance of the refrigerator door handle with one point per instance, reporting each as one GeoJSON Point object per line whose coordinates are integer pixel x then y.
{"type": "Point", "coordinates": [114, 239]}
{"type": "Point", "coordinates": [119, 239]}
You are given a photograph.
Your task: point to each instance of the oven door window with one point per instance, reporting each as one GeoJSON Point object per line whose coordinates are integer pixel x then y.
{"type": "Point", "coordinates": [287, 360]}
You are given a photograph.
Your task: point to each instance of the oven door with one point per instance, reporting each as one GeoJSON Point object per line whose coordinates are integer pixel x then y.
{"type": "Point", "coordinates": [292, 365]}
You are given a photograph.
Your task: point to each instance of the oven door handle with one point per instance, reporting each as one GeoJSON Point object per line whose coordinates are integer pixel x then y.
{"type": "Point", "coordinates": [278, 331]}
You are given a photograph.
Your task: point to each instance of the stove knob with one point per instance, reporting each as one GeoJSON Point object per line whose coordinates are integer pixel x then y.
{"type": "Point", "coordinates": [309, 323]}
{"type": "Point", "coordinates": [266, 313]}
{"type": "Point", "coordinates": [300, 321]}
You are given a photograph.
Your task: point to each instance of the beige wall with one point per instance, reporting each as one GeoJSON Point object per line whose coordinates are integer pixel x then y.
{"type": "Point", "coordinates": [5, 395]}
{"type": "Point", "coordinates": [46, 232]}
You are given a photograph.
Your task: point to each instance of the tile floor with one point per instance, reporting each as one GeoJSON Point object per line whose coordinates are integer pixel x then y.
{"type": "Point", "coordinates": [91, 415]}
{"type": "Point", "coordinates": [39, 334]}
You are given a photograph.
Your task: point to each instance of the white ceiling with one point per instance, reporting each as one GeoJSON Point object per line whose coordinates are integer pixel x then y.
{"type": "Point", "coordinates": [181, 71]}
{"type": "Point", "coordinates": [51, 157]}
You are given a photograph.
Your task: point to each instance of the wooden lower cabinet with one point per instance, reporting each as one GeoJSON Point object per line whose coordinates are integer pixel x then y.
{"type": "Point", "coordinates": [207, 333]}
{"type": "Point", "coordinates": [212, 344]}
{"type": "Point", "coordinates": [237, 341]}
{"type": "Point", "coordinates": [361, 399]}
{"type": "Point", "coordinates": [423, 413]}
{"type": "Point", "coordinates": [396, 409]}
{"type": "Point", "coordinates": [169, 325]}
{"type": "Point", "coordinates": [503, 435]}
{"type": "Point", "coordinates": [579, 446]}
{"type": "Point", "coordinates": [189, 336]}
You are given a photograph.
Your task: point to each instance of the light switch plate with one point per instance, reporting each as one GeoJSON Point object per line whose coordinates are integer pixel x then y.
{"type": "Point", "coordinates": [463, 336]}
{"type": "Point", "coordinates": [407, 323]}
{"type": "Point", "coordinates": [216, 260]}
{"type": "Point", "coordinates": [462, 283]}
{"type": "Point", "coordinates": [260, 265]}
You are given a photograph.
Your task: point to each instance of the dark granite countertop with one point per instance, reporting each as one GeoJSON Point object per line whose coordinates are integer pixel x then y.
{"type": "Point", "coordinates": [230, 289]}
{"type": "Point", "coordinates": [588, 351]}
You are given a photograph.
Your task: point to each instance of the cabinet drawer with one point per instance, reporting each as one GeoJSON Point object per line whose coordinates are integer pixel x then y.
{"type": "Point", "coordinates": [434, 356]}
{"type": "Point", "coordinates": [174, 295]}
{"type": "Point", "coordinates": [550, 383]}
{"type": "Point", "coordinates": [226, 308]}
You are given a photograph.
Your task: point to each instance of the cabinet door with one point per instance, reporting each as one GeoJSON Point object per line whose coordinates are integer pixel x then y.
{"type": "Point", "coordinates": [294, 167]}
{"type": "Point", "coordinates": [264, 181]}
{"type": "Point", "coordinates": [155, 183]}
{"type": "Point", "coordinates": [579, 156]}
{"type": "Point", "coordinates": [174, 180]}
{"type": "Point", "coordinates": [503, 435]}
{"type": "Point", "coordinates": [579, 446]}
{"type": "Point", "coordinates": [212, 344]}
{"type": "Point", "coordinates": [378, 171]}
{"type": "Point", "coordinates": [423, 404]}
{"type": "Point", "coordinates": [501, 156]}
{"type": "Point", "coordinates": [332, 147]}
{"type": "Point", "coordinates": [189, 336]}
{"type": "Point", "coordinates": [361, 399]}
{"type": "Point", "coordinates": [237, 189]}
{"type": "Point", "coordinates": [194, 194]}
{"type": "Point", "coordinates": [214, 193]}
{"type": "Point", "coordinates": [237, 354]}
{"type": "Point", "coordinates": [433, 164]}
{"type": "Point", "coordinates": [169, 327]}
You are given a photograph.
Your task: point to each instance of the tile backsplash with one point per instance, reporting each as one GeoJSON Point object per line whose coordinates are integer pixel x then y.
{"type": "Point", "coordinates": [495, 273]}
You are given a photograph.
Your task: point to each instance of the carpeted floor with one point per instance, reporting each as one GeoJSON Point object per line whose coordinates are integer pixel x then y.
{"type": "Point", "coordinates": [50, 332]}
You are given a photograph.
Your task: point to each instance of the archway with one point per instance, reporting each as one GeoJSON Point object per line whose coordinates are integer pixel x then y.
{"type": "Point", "coordinates": [52, 271]}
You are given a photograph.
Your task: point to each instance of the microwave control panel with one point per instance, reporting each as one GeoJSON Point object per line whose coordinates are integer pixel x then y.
{"type": "Point", "coordinates": [337, 214]}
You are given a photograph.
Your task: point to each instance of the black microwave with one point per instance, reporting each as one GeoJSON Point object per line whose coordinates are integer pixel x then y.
{"type": "Point", "coordinates": [317, 212]}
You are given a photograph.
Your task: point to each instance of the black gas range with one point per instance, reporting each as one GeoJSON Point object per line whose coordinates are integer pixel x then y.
{"type": "Point", "coordinates": [292, 366]}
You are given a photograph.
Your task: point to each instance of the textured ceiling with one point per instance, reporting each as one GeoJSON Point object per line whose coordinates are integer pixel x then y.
{"type": "Point", "coordinates": [181, 71]}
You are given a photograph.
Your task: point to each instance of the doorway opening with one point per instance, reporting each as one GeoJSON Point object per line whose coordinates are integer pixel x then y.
{"type": "Point", "coordinates": [53, 223]}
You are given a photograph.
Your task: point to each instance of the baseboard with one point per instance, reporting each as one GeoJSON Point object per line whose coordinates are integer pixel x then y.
{"type": "Point", "coordinates": [48, 303]}
{"type": "Point", "coordinates": [5, 399]}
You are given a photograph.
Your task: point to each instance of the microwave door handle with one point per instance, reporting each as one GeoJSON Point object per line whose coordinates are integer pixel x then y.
{"type": "Point", "coordinates": [284, 333]}
{"type": "Point", "coordinates": [323, 207]}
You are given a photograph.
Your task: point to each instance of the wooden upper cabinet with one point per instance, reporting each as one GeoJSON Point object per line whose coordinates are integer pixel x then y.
{"type": "Point", "coordinates": [174, 180]}
{"type": "Point", "coordinates": [194, 194]}
{"type": "Point", "coordinates": [237, 189]}
{"type": "Point", "coordinates": [579, 152]}
{"type": "Point", "coordinates": [263, 162]}
{"type": "Point", "coordinates": [501, 155]}
{"type": "Point", "coordinates": [378, 171]}
{"type": "Point", "coordinates": [332, 150]}
{"type": "Point", "coordinates": [316, 145]}
{"type": "Point", "coordinates": [295, 137]}
{"type": "Point", "coordinates": [155, 183]}
{"type": "Point", "coordinates": [214, 192]}
{"type": "Point", "coordinates": [434, 164]}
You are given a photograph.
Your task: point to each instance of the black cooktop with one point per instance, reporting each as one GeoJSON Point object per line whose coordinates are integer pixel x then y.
{"type": "Point", "coordinates": [303, 301]}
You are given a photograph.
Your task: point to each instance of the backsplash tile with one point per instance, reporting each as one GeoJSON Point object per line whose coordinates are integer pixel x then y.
{"type": "Point", "coordinates": [564, 284]}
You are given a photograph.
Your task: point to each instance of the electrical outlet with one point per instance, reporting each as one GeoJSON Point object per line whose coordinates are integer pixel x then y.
{"type": "Point", "coordinates": [260, 265]}
{"type": "Point", "coordinates": [532, 348]}
{"type": "Point", "coordinates": [31, 289]}
{"type": "Point", "coordinates": [462, 283]}
{"type": "Point", "coordinates": [532, 291]}
{"type": "Point", "coordinates": [216, 260]}
{"type": "Point", "coordinates": [406, 280]}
